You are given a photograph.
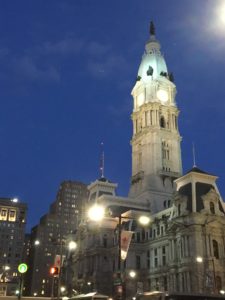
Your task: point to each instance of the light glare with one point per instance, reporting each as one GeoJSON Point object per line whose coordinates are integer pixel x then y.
{"type": "Point", "coordinates": [199, 259]}
{"type": "Point", "coordinates": [96, 213]}
{"type": "Point", "coordinates": [144, 220]}
{"type": "Point", "coordinates": [72, 245]}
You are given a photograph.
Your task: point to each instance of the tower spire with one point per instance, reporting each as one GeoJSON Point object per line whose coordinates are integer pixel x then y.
{"type": "Point", "coordinates": [102, 161]}
{"type": "Point", "coordinates": [152, 28]}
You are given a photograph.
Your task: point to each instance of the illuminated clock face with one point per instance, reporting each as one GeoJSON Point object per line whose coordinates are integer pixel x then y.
{"type": "Point", "coordinates": [140, 99]}
{"type": "Point", "coordinates": [162, 95]}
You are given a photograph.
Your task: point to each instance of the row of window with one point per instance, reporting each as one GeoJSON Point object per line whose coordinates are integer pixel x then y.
{"type": "Point", "coordinates": [7, 215]}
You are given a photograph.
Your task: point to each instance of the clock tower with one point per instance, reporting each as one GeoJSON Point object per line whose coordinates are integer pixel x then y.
{"type": "Point", "coordinates": [156, 153]}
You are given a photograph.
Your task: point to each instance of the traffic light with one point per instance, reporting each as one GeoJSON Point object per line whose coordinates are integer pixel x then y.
{"type": "Point", "coordinates": [54, 271]}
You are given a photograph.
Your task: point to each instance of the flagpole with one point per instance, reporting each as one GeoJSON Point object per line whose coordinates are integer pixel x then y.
{"type": "Point", "coordinates": [119, 247]}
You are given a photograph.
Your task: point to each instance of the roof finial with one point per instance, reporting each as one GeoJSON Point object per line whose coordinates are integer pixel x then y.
{"type": "Point", "coordinates": [152, 28]}
{"type": "Point", "coordinates": [193, 152]}
{"type": "Point", "coordinates": [102, 161]}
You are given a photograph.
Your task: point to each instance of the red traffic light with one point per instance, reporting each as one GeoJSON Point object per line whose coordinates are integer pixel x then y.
{"type": "Point", "coordinates": [54, 271]}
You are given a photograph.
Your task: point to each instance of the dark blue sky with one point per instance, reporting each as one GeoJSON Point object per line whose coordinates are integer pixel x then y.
{"type": "Point", "coordinates": [67, 70]}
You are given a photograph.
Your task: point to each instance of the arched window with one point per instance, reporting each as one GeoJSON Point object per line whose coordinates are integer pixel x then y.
{"type": "Point", "coordinates": [215, 249]}
{"type": "Point", "coordinates": [212, 208]}
{"type": "Point", "coordinates": [162, 122]}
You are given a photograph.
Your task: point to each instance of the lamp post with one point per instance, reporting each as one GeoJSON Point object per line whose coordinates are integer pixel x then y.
{"type": "Point", "coordinates": [97, 213]}
{"type": "Point", "coordinates": [72, 245]}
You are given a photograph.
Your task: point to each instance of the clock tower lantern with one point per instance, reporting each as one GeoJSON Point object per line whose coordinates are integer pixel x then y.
{"type": "Point", "coordinates": [156, 153]}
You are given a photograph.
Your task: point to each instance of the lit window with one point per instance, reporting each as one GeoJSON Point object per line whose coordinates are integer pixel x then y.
{"type": "Point", "coordinates": [12, 215]}
{"type": "Point", "coordinates": [3, 215]}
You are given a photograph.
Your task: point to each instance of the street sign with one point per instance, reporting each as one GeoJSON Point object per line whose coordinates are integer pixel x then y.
{"type": "Point", "coordinates": [22, 268]}
{"type": "Point", "coordinates": [117, 281]}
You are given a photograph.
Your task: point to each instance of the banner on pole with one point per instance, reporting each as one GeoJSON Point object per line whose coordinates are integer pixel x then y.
{"type": "Point", "coordinates": [125, 243]}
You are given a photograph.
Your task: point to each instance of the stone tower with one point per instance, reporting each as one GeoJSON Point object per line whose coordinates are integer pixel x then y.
{"type": "Point", "coordinates": [156, 153]}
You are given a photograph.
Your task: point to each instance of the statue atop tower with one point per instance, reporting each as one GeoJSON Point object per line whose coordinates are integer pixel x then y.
{"type": "Point", "coordinates": [152, 28]}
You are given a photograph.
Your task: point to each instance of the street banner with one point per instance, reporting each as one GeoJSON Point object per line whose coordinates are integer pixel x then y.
{"type": "Point", "coordinates": [59, 259]}
{"type": "Point", "coordinates": [125, 243]}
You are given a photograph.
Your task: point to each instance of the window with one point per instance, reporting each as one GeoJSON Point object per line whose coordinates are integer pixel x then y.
{"type": "Point", "coordinates": [218, 283]}
{"type": "Point", "coordinates": [138, 262]}
{"type": "Point", "coordinates": [212, 208]}
{"type": "Point", "coordinates": [155, 258]}
{"type": "Point", "coordinates": [163, 255]}
{"type": "Point", "coordinates": [215, 249]}
{"type": "Point", "coordinates": [148, 259]}
{"type": "Point", "coordinates": [105, 241]}
{"type": "Point", "coordinates": [138, 237]}
{"type": "Point", "coordinates": [162, 122]}
{"type": "Point", "coordinates": [3, 215]}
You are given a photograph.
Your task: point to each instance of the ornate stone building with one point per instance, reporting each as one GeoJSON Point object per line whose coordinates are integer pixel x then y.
{"type": "Point", "coordinates": [183, 248]}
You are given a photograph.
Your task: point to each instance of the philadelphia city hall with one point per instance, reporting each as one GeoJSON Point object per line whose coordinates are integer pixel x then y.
{"type": "Point", "coordinates": [182, 249]}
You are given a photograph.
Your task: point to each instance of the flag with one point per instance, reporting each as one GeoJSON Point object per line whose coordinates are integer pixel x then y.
{"type": "Point", "coordinates": [125, 243]}
{"type": "Point", "coordinates": [57, 262]}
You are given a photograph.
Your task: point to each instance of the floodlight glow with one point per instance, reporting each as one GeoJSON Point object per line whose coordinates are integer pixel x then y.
{"type": "Point", "coordinates": [96, 213]}
{"type": "Point", "coordinates": [72, 245]}
{"type": "Point", "coordinates": [144, 220]}
{"type": "Point", "coordinates": [199, 259]}
{"type": "Point", "coordinates": [36, 242]}
{"type": "Point", "coordinates": [15, 200]}
{"type": "Point", "coordinates": [132, 274]}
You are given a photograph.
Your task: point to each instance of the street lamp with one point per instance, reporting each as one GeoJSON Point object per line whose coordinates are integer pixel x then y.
{"type": "Point", "coordinates": [132, 274]}
{"type": "Point", "coordinates": [36, 243]}
{"type": "Point", "coordinates": [71, 245]}
{"type": "Point", "coordinates": [97, 213]}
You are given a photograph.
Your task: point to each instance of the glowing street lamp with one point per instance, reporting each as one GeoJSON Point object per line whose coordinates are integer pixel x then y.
{"type": "Point", "coordinates": [72, 245]}
{"type": "Point", "coordinates": [144, 220]}
{"type": "Point", "coordinates": [132, 274]}
{"type": "Point", "coordinates": [36, 243]}
{"type": "Point", "coordinates": [96, 213]}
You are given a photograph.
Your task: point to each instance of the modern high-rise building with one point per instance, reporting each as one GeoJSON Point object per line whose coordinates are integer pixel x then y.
{"type": "Point", "coordinates": [49, 239]}
{"type": "Point", "coordinates": [12, 234]}
{"type": "Point", "coordinates": [183, 248]}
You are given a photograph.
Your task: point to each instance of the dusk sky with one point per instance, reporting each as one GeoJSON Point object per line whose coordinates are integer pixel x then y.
{"type": "Point", "coordinates": [67, 70]}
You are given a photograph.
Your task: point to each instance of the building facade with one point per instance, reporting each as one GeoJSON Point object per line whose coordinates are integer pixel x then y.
{"type": "Point", "coordinates": [183, 248]}
{"type": "Point", "coordinates": [49, 239]}
{"type": "Point", "coordinates": [12, 234]}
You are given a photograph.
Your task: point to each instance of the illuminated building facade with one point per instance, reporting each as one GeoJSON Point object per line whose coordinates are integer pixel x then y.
{"type": "Point", "coordinates": [187, 212]}
{"type": "Point", "coordinates": [12, 234]}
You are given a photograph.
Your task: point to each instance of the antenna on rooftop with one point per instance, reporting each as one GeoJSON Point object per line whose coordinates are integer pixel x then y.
{"type": "Point", "coordinates": [193, 152]}
{"type": "Point", "coordinates": [102, 161]}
